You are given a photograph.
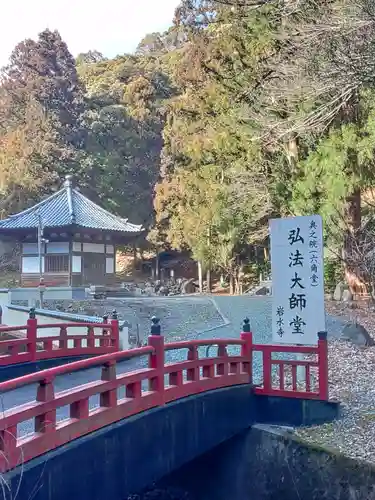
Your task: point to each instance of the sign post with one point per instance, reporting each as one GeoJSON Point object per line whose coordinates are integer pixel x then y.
{"type": "Point", "coordinates": [297, 279]}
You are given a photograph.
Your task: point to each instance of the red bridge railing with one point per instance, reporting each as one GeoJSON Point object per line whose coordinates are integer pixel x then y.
{"type": "Point", "coordinates": [157, 384]}
{"type": "Point", "coordinates": [284, 380]}
{"type": "Point", "coordinates": [34, 347]}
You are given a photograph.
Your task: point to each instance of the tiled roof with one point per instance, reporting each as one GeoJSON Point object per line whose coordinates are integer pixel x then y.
{"type": "Point", "coordinates": [65, 208]}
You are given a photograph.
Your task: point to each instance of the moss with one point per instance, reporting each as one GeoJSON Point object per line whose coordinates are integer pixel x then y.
{"type": "Point", "coordinates": [368, 417]}
{"type": "Point", "coordinates": [332, 454]}
{"type": "Point", "coordinates": [9, 280]}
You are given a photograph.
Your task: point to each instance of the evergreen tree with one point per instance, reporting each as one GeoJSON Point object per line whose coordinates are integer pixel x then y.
{"type": "Point", "coordinates": [209, 158]}
{"type": "Point", "coordinates": [125, 118]}
{"type": "Point", "coordinates": [43, 73]}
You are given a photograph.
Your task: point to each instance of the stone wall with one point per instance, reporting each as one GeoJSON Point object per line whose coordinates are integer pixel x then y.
{"type": "Point", "coordinates": [264, 464]}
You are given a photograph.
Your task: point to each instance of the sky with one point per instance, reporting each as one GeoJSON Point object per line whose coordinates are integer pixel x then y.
{"type": "Point", "coordinates": [111, 27]}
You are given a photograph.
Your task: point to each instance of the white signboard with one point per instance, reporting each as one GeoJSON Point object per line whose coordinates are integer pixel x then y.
{"type": "Point", "coordinates": [297, 279]}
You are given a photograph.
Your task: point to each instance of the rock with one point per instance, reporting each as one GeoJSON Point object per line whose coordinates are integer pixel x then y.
{"type": "Point", "coordinates": [188, 286]}
{"type": "Point", "coordinates": [149, 291]}
{"type": "Point", "coordinates": [339, 290]}
{"type": "Point", "coordinates": [90, 312]}
{"type": "Point", "coordinates": [347, 296]}
{"type": "Point", "coordinates": [264, 288]}
{"type": "Point", "coordinates": [357, 334]}
{"type": "Point", "coordinates": [352, 305]}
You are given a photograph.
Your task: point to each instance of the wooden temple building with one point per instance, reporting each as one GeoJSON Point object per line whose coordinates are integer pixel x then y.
{"type": "Point", "coordinates": [67, 240]}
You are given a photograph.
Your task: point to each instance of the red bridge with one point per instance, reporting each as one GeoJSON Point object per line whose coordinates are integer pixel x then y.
{"type": "Point", "coordinates": [159, 382]}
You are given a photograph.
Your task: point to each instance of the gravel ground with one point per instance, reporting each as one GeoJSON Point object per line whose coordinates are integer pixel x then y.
{"type": "Point", "coordinates": [179, 316]}
{"type": "Point", "coordinates": [351, 381]}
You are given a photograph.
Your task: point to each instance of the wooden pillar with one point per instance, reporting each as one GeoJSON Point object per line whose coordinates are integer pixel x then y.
{"type": "Point", "coordinates": [114, 259]}
{"type": "Point", "coordinates": [71, 261]}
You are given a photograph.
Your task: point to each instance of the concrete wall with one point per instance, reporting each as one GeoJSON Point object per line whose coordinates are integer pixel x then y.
{"type": "Point", "coordinates": [32, 295]}
{"type": "Point", "coordinates": [266, 464]}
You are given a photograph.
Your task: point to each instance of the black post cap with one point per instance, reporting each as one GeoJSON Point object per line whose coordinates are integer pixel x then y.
{"type": "Point", "coordinates": [155, 326]}
{"type": "Point", "coordinates": [114, 314]}
{"type": "Point", "coordinates": [246, 325]}
{"type": "Point", "coordinates": [322, 335]}
{"type": "Point", "coordinates": [32, 314]}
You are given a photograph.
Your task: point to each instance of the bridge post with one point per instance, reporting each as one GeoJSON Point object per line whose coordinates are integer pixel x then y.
{"type": "Point", "coordinates": [323, 365]}
{"type": "Point", "coordinates": [106, 342]}
{"type": "Point", "coordinates": [115, 332]}
{"type": "Point", "coordinates": [31, 334]}
{"type": "Point", "coordinates": [105, 322]}
{"type": "Point", "coordinates": [45, 422]}
{"type": "Point", "coordinates": [108, 399]}
{"type": "Point", "coordinates": [247, 348]}
{"type": "Point", "coordinates": [156, 359]}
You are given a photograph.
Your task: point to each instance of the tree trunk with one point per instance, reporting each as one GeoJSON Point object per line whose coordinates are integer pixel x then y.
{"type": "Point", "coordinates": [231, 283]}
{"type": "Point", "coordinates": [292, 152]}
{"type": "Point", "coordinates": [208, 272]}
{"type": "Point", "coordinates": [200, 277]}
{"type": "Point", "coordinates": [240, 279]}
{"type": "Point", "coordinates": [353, 221]}
{"type": "Point", "coordinates": [222, 281]}
{"type": "Point", "coordinates": [135, 258]}
{"type": "Point", "coordinates": [266, 254]}
{"type": "Point", "coordinates": [157, 267]}
{"type": "Point", "coordinates": [208, 279]}
{"type": "Point", "coordinates": [236, 284]}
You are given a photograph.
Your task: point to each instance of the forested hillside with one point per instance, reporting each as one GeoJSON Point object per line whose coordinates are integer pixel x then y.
{"type": "Point", "coordinates": [242, 111]}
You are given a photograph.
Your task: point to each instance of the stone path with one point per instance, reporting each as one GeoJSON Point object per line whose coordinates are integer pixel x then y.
{"type": "Point", "coordinates": [214, 321]}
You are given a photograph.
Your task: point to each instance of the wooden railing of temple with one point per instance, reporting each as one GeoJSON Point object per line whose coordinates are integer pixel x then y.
{"type": "Point", "coordinates": [157, 383]}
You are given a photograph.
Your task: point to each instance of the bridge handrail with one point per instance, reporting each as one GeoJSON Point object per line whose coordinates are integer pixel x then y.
{"type": "Point", "coordinates": [50, 373]}
{"type": "Point", "coordinates": [320, 352]}
{"type": "Point", "coordinates": [62, 345]}
{"type": "Point", "coordinates": [41, 326]}
{"type": "Point", "coordinates": [167, 381]}
{"type": "Point", "coordinates": [12, 342]}
{"type": "Point", "coordinates": [6, 329]}
{"type": "Point", "coordinates": [55, 338]}
{"type": "Point", "coordinates": [74, 325]}
{"type": "Point", "coordinates": [35, 409]}
{"type": "Point", "coordinates": [188, 344]}
{"type": "Point", "coordinates": [298, 349]}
